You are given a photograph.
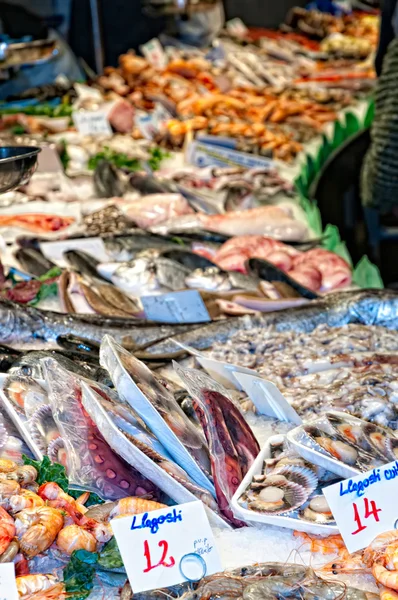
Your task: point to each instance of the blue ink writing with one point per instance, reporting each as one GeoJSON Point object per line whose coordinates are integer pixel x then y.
{"type": "Point", "coordinates": [153, 524]}
{"type": "Point", "coordinates": [359, 487]}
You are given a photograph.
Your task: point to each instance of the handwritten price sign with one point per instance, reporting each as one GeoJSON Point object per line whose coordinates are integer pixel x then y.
{"type": "Point", "coordinates": [92, 123]}
{"type": "Point", "coordinates": [167, 546]}
{"type": "Point", "coordinates": [8, 586]}
{"type": "Point", "coordinates": [363, 506]}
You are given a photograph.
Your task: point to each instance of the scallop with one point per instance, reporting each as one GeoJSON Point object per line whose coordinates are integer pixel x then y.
{"type": "Point", "coordinates": [278, 499]}
{"type": "Point", "coordinates": [303, 476]}
{"type": "Point", "coordinates": [343, 451]}
{"type": "Point", "coordinates": [352, 433]}
{"type": "Point", "coordinates": [317, 510]}
{"type": "Point", "coordinates": [377, 437]}
{"type": "Point", "coordinates": [392, 448]}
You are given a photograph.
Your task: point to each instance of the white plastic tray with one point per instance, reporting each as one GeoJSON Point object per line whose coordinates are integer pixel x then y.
{"type": "Point", "coordinates": [249, 516]}
{"type": "Point", "coordinates": [318, 458]}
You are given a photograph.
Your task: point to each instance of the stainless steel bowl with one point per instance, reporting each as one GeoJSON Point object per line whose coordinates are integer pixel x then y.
{"type": "Point", "coordinates": [17, 165]}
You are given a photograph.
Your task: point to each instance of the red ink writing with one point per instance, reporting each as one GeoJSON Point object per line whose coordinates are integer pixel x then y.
{"type": "Point", "coordinates": [162, 563]}
{"type": "Point", "coordinates": [370, 511]}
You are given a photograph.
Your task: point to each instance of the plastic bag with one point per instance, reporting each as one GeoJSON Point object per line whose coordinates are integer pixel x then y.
{"type": "Point", "coordinates": [91, 463]}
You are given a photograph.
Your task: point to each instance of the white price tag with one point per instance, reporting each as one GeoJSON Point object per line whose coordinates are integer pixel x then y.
{"type": "Point", "coordinates": [224, 373]}
{"type": "Point", "coordinates": [176, 307]}
{"type": "Point", "coordinates": [267, 398]}
{"type": "Point", "coordinates": [54, 251]}
{"type": "Point", "coordinates": [237, 27]}
{"type": "Point", "coordinates": [92, 122]}
{"type": "Point", "coordinates": [8, 586]}
{"type": "Point", "coordinates": [154, 53]}
{"type": "Point", "coordinates": [167, 546]}
{"type": "Point", "coordinates": [364, 506]}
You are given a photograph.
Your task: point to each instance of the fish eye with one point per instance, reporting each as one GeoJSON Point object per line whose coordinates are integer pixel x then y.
{"type": "Point", "coordinates": [334, 566]}
{"type": "Point", "coordinates": [26, 370]}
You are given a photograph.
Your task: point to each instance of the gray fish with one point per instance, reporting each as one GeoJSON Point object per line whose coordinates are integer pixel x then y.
{"type": "Point", "coordinates": [127, 248]}
{"type": "Point", "coordinates": [29, 326]}
{"type": "Point", "coordinates": [369, 307]}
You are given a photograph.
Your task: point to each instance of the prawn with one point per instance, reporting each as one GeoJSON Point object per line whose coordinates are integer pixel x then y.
{"type": "Point", "coordinates": [385, 577]}
{"type": "Point", "coordinates": [57, 498]}
{"type": "Point", "coordinates": [73, 537]}
{"type": "Point", "coordinates": [326, 545]}
{"type": "Point", "coordinates": [7, 490]}
{"type": "Point", "coordinates": [346, 563]}
{"type": "Point", "coordinates": [378, 546]}
{"type": "Point", "coordinates": [7, 529]}
{"type": "Point", "coordinates": [134, 506]}
{"type": "Point", "coordinates": [388, 594]}
{"type": "Point", "coordinates": [39, 586]}
{"type": "Point", "coordinates": [26, 499]}
{"type": "Point", "coordinates": [37, 528]}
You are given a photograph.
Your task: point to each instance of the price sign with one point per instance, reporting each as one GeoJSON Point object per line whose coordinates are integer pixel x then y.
{"type": "Point", "coordinates": [154, 53]}
{"type": "Point", "coordinates": [92, 122]}
{"type": "Point", "coordinates": [177, 307]}
{"type": "Point", "coordinates": [167, 546]}
{"type": "Point", "coordinates": [363, 506]}
{"type": "Point", "coordinates": [237, 27]}
{"type": "Point", "coordinates": [8, 586]}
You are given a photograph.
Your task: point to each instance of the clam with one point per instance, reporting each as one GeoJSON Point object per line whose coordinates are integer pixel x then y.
{"type": "Point", "coordinates": [317, 510]}
{"type": "Point", "coordinates": [277, 499]}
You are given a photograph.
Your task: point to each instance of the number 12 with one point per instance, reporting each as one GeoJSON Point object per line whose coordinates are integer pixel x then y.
{"type": "Point", "coordinates": [162, 563]}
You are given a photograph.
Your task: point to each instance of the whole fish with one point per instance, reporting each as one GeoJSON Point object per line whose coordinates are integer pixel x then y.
{"type": "Point", "coordinates": [115, 297]}
{"type": "Point", "coordinates": [126, 248]}
{"type": "Point", "coordinates": [215, 279]}
{"type": "Point", "coordinates": [369, 307]}
{"type": "Point", "coordinates": [99, 304]}
{"type": "Point", "coordinates": [84, 263]}
{"type": "Point", "coordinates": [146, 275]}
{"type": "Point", "coordinates": [33, 261]}
{"type": "Point", "coordinates": [29, 326]}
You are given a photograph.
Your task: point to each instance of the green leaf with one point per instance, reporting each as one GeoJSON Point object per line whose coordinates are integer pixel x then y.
{"type": "Point", "coordinates": [53, 272]}
{"type": "Point", "coordinates": [333, 243]}
{"type": "Point", "coordinates": [311, 169]}
{"type": "Point", "coordinates": [119, 159]}
{"type": "Point", "coordinates": [313, 214]}
{"type": "Point", "coordinates": [367, 275]}
{"type": "Point", "coordinates": [338, 135]}
{"type": "Point", "coordinates": [370, 113]}
{"type": "Point", "coordinates": [46, 291]}
{"type": "Point", "coordinates": [79, 574]}
{"type": "Point", "coordinates": [157, 155]}
{"type": "Point", "coordinates": [300, 186]}
{"type": "Point", "coordinates": [110, 557]}
{"type": "Point", "coordinates": [325, 150]}
{"type": "Point", "coordinates": [351, 124]}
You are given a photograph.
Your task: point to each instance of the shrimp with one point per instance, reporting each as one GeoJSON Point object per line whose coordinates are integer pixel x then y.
{"type": "Point", "coordinates": [7, 490]}
{"type": "Point", "coordinates": [385, 577]}
{"type": "Point", "coordinates": [37, 528]}
{"type": "Point", "coordinates": [387, 594]}
{"type": "Point", "coordinates": [378, 546]}
{"type": "Point", "coordinates": [73, 537]}
{"type": "Point", "coordinates": [26, 499]}
{"type": "Point", "coordinates": [39, 586]}
{"type": "Point", "coordinates": [7, 465]}
{"type": "Point", "coordinates": [326, 545]}
{"type": "Point", "coordinates": [10, 553]}
{"type": "Point", "coordinates": [346, 563]}
{"type": "Point", "coordinates": [57, 498]}
{"type": "Point", "coordinates": [7, 529]}
{"type": "Point", "coordinates": [134, 506]}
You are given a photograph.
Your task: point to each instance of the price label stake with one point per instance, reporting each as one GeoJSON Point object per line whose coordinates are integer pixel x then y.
{"type": "Point", "coordinates": [176, 307]}
{"type": "Point", "coordinates": [363, 506]}
{"type": "Point", "coordinates": [8, 586]}
{"type": "Point", "coordinates": [92, 122]}
{"type": "Point", "coordinates": [167, 546]}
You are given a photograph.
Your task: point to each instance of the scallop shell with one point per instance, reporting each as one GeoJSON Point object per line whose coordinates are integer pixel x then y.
{"type": "Point", "coordinates": [303, 476]}
{"type": "Point", "coordinates": [392, 448]}
{"type": "Point", "coordinates": [333, 446]}
{"type": "Point", "coordinates": [350, 432]}
{"type": "Point", "coordinates": [294, 497]}
{"type": "Point", "coordinates": [377, 438]}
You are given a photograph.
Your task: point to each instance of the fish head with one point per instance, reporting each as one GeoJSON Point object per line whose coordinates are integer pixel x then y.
{"type": "Point", "coordinates": [211, 279]}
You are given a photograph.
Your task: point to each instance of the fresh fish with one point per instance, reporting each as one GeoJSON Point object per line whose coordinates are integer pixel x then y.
{"type": "Point", "coordinates": [27, 325]}
{"type": "Point", "coordinates": [146, 276]}
{"type": "Point", "coordinates": [33, 261]}
{"type": "Point", "coordinates": [370, 307]}
{"type": "Point", "coordinates": [99, 305]}
{"type": "Point", "coordinates": [114, 297]}
{"type": "Point", "coordinates": [217, 280]}
{"type": "Point", "coordinates": [84, 263]}
{"type": "Point", "coordinates": [8, 356]}
{"type": "Point", "coordinates": [123, 249]}
{"type": "Point", "coordinates": [107, 181]}
{"type": "Point", "coordinates": [78, 345]}
{"type": "Point", "coordinates": [148, 184]}
{"type": "Point", "coordinates": [188, 259]}
{"type": "Point", "coordinates": [266, 270]}
{"type": "Point", "coordinates": [30, 365]}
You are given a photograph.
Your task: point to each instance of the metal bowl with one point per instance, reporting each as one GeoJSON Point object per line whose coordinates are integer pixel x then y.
{"type": "Point", "coordinates": [17, 165]}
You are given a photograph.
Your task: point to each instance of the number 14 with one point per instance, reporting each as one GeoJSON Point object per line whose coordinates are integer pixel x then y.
{"type": "Point", "coordinates": [370, 509]}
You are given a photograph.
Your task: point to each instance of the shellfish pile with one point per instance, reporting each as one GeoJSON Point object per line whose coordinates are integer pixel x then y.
{"type": "Point", "coordinates": [355, 443]}
{"type": "Point", "coordinates": [290, 486]}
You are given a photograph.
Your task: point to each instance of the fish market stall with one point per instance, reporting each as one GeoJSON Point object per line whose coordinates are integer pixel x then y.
{"type": "Point", "coordinates": [123, 403]}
